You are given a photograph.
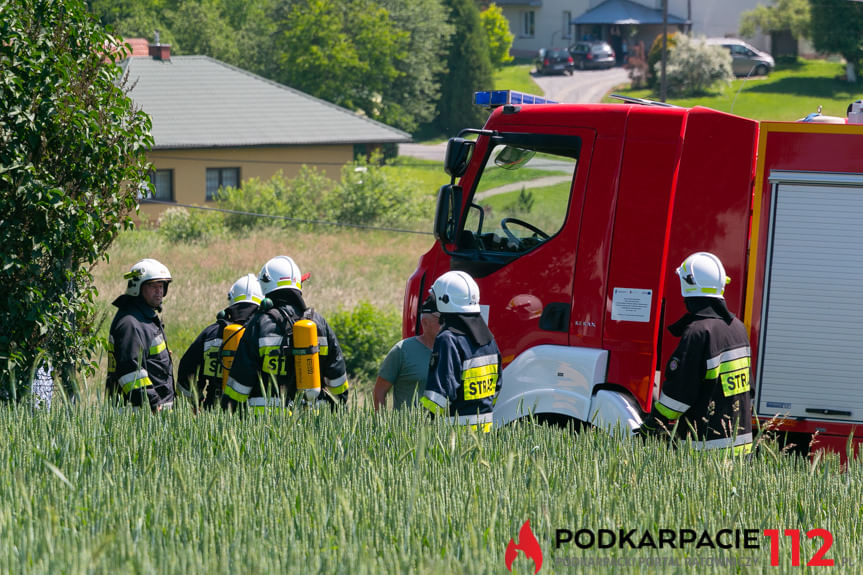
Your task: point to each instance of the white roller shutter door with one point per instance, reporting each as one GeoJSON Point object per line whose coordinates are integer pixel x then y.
{"type": "Point", "coordinates": [811, 347]}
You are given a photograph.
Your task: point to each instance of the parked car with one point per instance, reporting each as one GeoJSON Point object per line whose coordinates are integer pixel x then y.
{"type": "Point", "coordinates": [745, 59]}
{"type": "Point", "coordinates": [592, 55]}
{"type": "Point", "coordinates": [554, 61]}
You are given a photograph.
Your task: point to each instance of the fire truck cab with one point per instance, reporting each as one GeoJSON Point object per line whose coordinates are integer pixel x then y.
{"type": "Point", "coordinates": [573, 218]}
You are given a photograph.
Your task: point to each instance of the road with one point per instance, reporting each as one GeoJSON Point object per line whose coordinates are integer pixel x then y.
{"type": "Point", "coordinates": [583, 87]}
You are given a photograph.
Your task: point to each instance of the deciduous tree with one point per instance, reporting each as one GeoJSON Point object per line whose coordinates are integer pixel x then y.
{"type": "Point", "coordinates": [837, 26]}
{"type": "Point", "coordinates": [469, 70]}
{"type": "Point", "coordinates": [497, 34]}
{"type": "Point", "coordinates": [72, 155]}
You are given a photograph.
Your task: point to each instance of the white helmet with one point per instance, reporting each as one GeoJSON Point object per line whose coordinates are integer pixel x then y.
{"type": "Point", "coordinates": [456, 292]}
{"type": "Point", "coordinates": [246, 290]}
{"type": "Point", "coordinates": [144, 271]}
{"type": "Point", "coordinates": [702, 275]}
{"type": "Point", "coordinates": [279, 273]}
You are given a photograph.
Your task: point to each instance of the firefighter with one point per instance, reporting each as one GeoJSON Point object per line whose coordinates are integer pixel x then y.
{"type": "Point", "coordinates": [199, 375]}
{"type": "Point", "coordinates": [465, 369]}
{"type": "Point", "coordinates": [707, 378]}
{"type": "Point", "coordinates": [139, 362]}
{"type": "Point", "coordinates": [263, 374]}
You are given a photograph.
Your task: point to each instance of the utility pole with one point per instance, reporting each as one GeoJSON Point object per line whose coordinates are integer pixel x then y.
{"type": "Point", "coordinates": [663, 89]}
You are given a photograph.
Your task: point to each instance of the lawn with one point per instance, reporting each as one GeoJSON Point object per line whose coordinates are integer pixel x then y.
{"type": "Point", "coordinates": [789, 93]}
{"type": "Point", "coordinates": [516, 77]}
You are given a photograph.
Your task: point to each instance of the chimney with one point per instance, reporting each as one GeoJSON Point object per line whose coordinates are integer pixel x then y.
{"type": "Point", "coordinates": [159, 51]}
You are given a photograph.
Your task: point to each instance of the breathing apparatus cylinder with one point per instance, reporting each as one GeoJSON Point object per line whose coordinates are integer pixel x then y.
{"type": "Point", "coordinates": [231, 337]}
{"type": "Point", "coordinates": [307, 364]}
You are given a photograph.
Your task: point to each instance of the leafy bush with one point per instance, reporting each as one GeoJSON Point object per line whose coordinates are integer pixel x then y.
{"type": "Point", "coordinates": [71, 160]}
{"type": "Point", "coordinates": [365, 195]}
{"type": "Point", "coordinates": [299, 198]}
{"type": "Point", "coordinates": [177, 224]}
{"type": "Point", "coordinates": [366, 334]}
{"type": "Point", "coordinates": [693, 67]}
{"type": "Point", "coordinates": [654, 58]}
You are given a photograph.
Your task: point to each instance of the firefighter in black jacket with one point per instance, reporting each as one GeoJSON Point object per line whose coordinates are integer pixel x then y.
{"type": "Point", "coordinates": [263, 375]}
{"type": "Point", "coordinates": [199, 376]}
{"type": "Point", "coordinates": [139, 362]}
{"type": "Point", "coordinates": [707, 377]}
{"type": "Point", "coordinates": [464, 374]}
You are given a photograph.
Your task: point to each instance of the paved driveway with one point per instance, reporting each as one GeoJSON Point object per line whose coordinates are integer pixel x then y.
{"type": "Point", "coordinates": [583, 87]}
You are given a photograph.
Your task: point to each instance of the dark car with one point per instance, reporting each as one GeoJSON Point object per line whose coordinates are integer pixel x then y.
{"type": "Point", "coordinates": [554, 61]}
{"type": "Point", "coordinates": [592, 55]}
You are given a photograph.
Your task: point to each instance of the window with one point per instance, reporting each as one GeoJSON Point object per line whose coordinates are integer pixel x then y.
{"type": "Point", "coordinates": [218, 178]}
{"type": "Point", "coordinates": [567, 24]}
{"type": "Point", "coordinates": [163, 186]}
{"type": "Point", "coordinates": [522, 198]}
{"type": "Point", "coordinates": [527, 23]}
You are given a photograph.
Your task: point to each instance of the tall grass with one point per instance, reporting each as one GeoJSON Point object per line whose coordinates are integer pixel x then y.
{"type": "Point", "coordinates": [99, 490]}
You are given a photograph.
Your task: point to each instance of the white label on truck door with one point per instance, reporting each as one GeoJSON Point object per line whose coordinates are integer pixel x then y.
{"type": "Point", "coordinates": [631, 304]}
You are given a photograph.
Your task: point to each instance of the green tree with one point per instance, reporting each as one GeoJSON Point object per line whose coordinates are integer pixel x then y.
{"type": "Point", "coordinates": [411, 99]}
{"type": "Point", "coordinates": [837, 26]}
{"type": "Point", "coordinates": [497, 35]}
{"type": "Point", "coordinates": [783, 15]}
{"type": "Point", "coordinates": [72, 157]}
{"type": "Point", "coordinates": [345, 52]}
{"type": "Point", "coordinates": [469, 68]}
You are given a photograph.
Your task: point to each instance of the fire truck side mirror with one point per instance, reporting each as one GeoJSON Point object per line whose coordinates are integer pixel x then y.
{"type": "Point", "coordinates": [447, 213]}
{"type": "Point", "coordinates": [458, 153]}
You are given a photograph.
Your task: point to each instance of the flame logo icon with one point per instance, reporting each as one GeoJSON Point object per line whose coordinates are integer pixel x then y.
{"type": "Point", "coordinates": [528, 544]}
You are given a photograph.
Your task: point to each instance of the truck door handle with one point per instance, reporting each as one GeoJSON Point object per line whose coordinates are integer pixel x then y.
{"type": "Point", "coordinates": [828, 411]}
{"type": "Point", "coordinates": [555, 317]}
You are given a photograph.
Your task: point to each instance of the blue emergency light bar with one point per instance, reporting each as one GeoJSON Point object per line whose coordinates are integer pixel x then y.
{"type": "Point", "coordinates": [496, 98]}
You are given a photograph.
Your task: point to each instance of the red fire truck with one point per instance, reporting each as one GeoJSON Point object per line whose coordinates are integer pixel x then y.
{"type": "Point", "coordinates": [572, 219]}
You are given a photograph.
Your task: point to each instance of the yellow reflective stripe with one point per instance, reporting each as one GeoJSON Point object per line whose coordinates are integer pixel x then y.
{"type": "Point", "coordinates": [727, 366]}
{"type": "Point", "coordinates": [236, 395]}
{"type": "Point", "coordinates": [483, 427]}
{"type": "Point", "coordinates": [339, 389]}
{"type": "Point", "coordinates": [744, 449]}
{"type": "Point", "coordinates": [432, 406]}
{"type": "Point", "coordinates": [137, 384]}
{"type": "Point", "coordinates": [158, 348]}
{"type": "Point", "coordinates": [667, 412]}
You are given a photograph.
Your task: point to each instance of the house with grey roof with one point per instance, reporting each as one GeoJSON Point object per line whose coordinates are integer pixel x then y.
{"type": "Point", "coordinates": [216, 126]}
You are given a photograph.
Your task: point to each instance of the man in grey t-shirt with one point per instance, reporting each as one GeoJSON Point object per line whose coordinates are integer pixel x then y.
{"type": "Point", "coordinates": [406, 366]}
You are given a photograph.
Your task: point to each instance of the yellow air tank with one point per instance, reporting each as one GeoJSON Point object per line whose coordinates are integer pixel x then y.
{"type": "Point", "coordinates": [231, 337]}
{"type": "Point", "coordinates": [307, 364]}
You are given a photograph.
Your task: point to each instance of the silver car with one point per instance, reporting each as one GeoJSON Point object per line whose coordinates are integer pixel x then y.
{"type": "Point", "coordinates": [745, 59]}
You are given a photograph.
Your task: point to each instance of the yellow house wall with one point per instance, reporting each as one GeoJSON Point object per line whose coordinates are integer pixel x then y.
{"type": "Point", "coordinates": [190, 167]}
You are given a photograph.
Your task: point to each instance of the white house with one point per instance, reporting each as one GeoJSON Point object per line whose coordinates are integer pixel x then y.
{"type": "Point", "coordinates": [557, 23]}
